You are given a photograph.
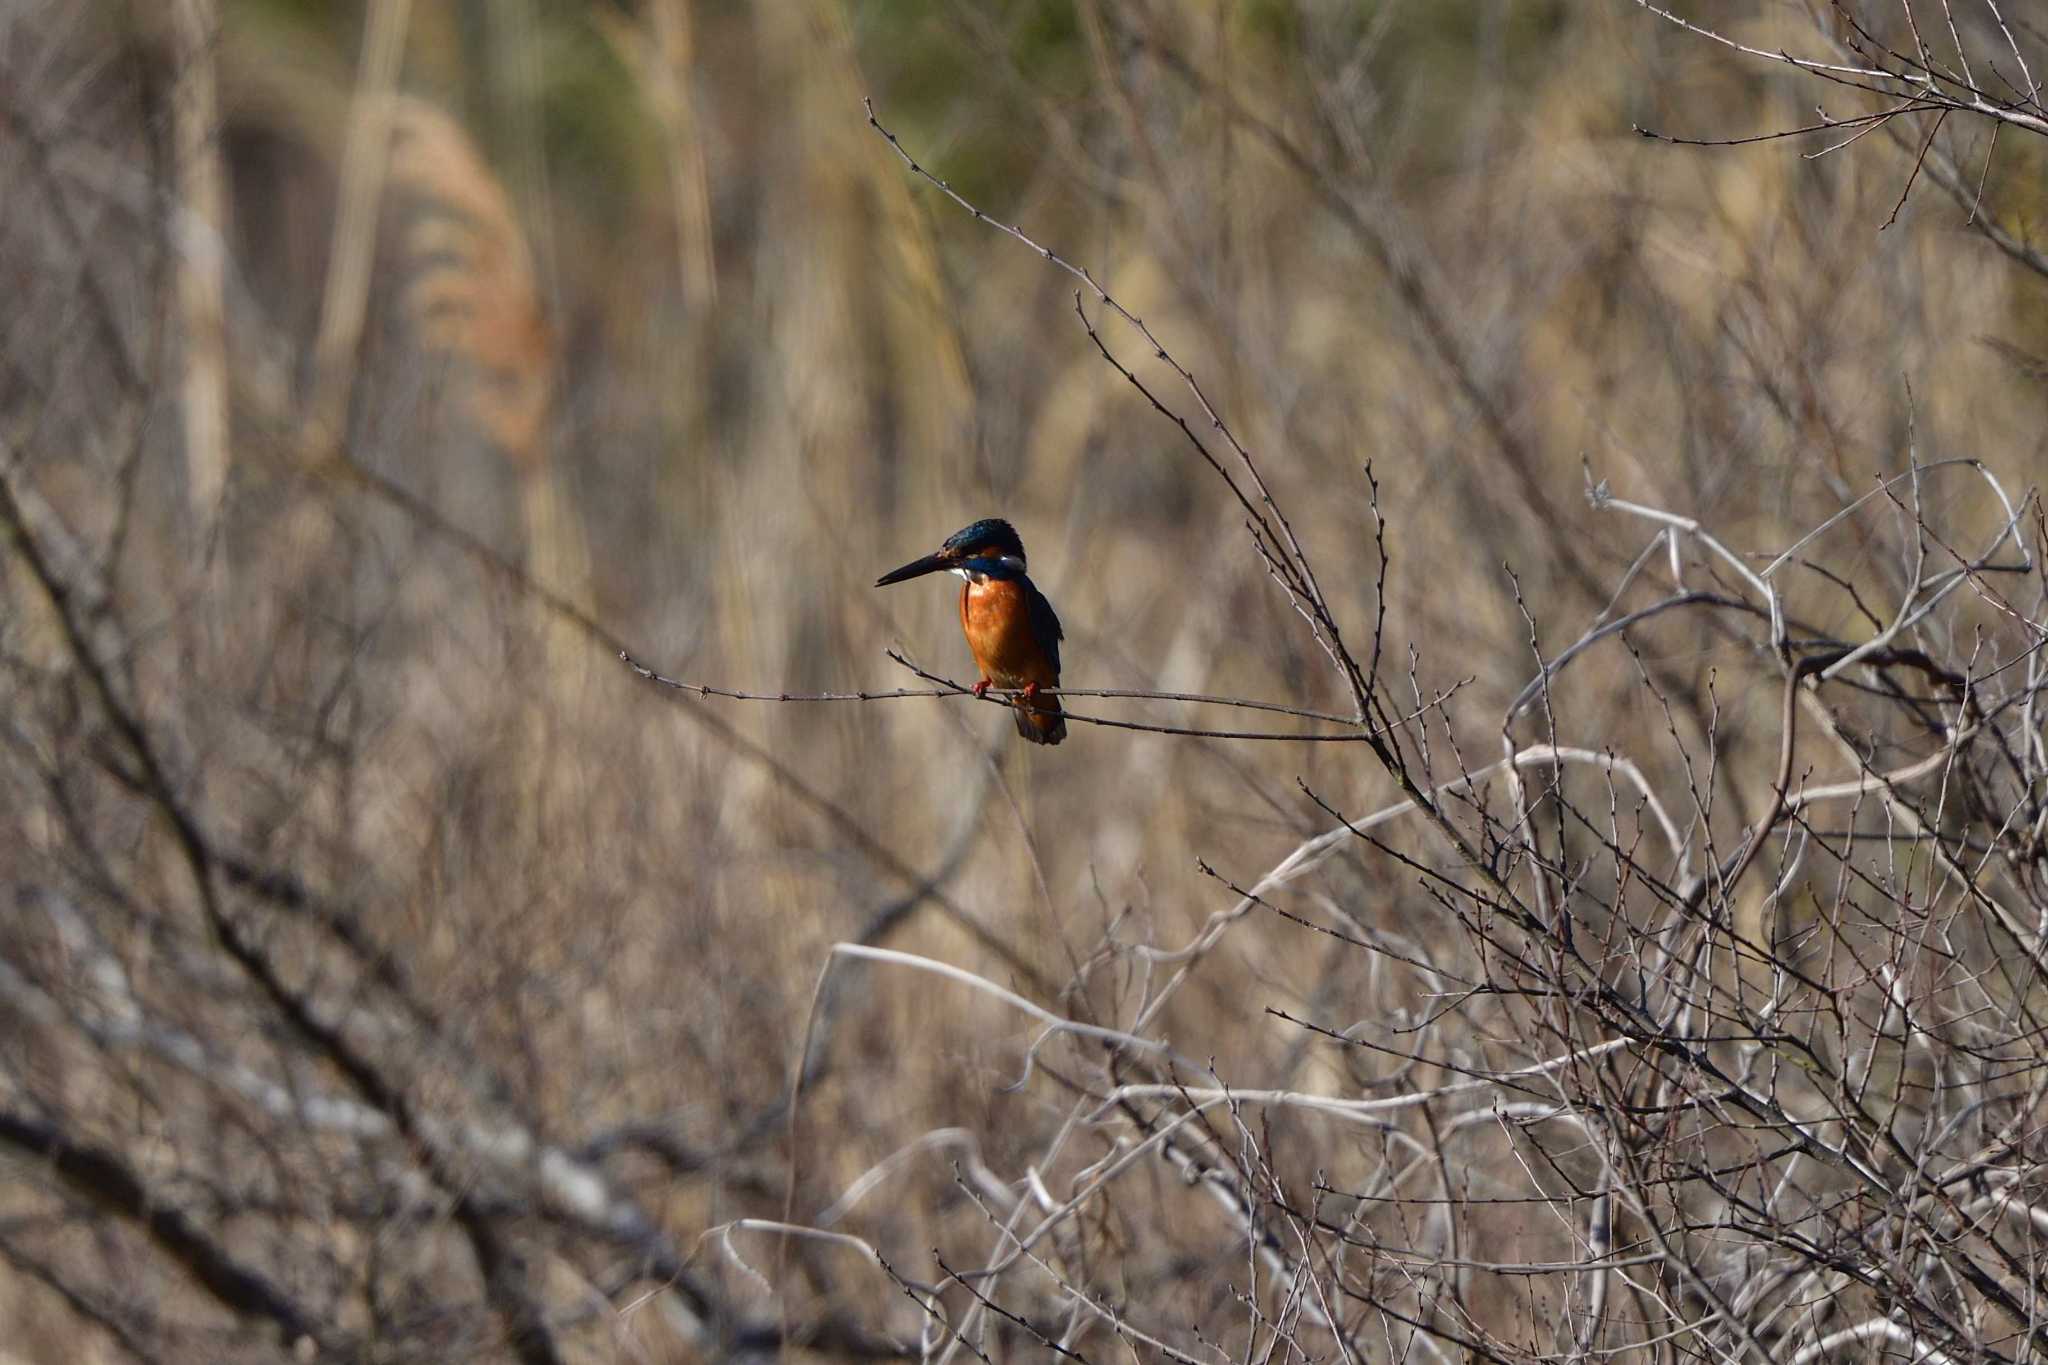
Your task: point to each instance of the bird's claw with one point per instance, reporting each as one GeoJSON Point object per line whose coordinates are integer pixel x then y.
{"type": "Point", "coordinates": [1030, 690]}
{"type": "Point", "coordinates": [981, 688]}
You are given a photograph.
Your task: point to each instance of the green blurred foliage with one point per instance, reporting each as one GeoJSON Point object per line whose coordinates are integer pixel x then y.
{"type": "Point", "coordinates": [927, 70]}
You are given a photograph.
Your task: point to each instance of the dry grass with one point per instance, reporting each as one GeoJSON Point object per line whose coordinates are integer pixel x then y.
{"type": "Point", "coordinates": [450, 979]}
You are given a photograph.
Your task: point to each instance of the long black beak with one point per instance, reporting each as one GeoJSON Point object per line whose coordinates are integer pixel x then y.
{"type": "Point", "coordinates": [916, 568]}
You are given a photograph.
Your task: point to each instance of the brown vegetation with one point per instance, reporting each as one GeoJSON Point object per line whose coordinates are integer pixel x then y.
{"type": "Point", "coordinates": [1642, 961]}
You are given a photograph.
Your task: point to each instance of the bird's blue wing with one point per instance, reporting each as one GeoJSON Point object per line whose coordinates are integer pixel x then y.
{"type": "Point", "coordinates": [1045, 624]}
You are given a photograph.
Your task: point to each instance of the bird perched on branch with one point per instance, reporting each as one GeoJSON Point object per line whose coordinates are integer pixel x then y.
{"type": "Point", "coordinates": [1010, 626]}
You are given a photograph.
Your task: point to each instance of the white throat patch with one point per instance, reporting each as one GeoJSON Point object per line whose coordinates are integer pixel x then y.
{"type": "Point", "coordinates": [1010, 562]}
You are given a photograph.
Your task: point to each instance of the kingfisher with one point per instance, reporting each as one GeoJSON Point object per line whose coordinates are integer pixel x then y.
{"type": "Point", "coordinates": [1010, 626]}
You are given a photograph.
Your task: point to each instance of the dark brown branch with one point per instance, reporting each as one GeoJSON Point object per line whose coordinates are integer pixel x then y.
{"type": "Point", "coordinates": [1826, 125]}
{"type": "Point", "coordinates": [1356, 737]}
{"type": "Point", "coordinates": [992, 694]}
{"type": "Point", "coordinates": [101, 1178]}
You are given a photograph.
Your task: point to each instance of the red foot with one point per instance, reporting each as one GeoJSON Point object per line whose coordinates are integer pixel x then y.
{"type": "Point", "coordinates": [1030, 690]}
{"type": "Point", "coordinates": [981, 688]}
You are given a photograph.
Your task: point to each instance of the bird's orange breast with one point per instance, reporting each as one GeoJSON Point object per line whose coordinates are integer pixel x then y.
{"type": "Point", "coordinates": [995, 613]}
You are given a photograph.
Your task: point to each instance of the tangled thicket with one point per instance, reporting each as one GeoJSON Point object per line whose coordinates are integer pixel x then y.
{"type": "Point", "coordinates": [1633, 956]}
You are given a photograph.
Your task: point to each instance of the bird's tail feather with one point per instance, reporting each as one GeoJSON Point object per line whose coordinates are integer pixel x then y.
{"type": "Point", "coordinates": [1040, 721]}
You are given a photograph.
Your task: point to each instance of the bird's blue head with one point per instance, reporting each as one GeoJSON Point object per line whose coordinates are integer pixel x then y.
{"type": "Point", "coordinates": [990, 538]}
{"type": "Point", "coordinates": [989, 547]}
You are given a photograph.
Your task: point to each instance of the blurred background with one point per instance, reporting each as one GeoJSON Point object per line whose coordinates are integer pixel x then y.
{"type": "Point", "coordinates": [392, 974]}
